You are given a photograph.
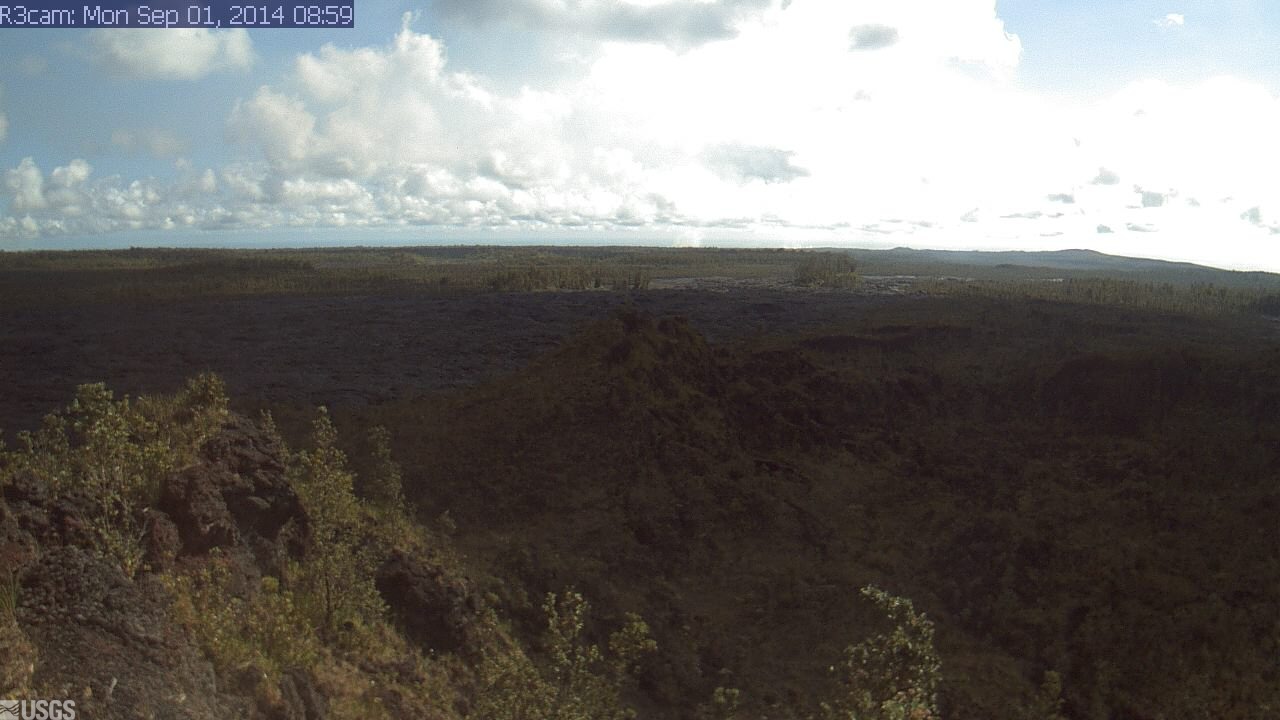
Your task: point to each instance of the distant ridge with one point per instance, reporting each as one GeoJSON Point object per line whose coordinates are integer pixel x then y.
{"type": "Point", "coordinates": [1075, 259]}
{"type": "Point", "coordinates": [1030, 264]}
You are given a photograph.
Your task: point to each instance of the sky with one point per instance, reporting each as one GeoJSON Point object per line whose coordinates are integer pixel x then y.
{"type": "Point", "coordinates": [1135, 128]}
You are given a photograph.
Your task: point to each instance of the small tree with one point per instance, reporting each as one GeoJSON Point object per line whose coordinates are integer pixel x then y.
{"type": "Point", "coordinates": [1048, 701]}
{"type": "Point", "coordinates": [337, 577]}
{"type": "Point", "coordinates": [579, 683]}
{"type": "Point", "coordinates": [827, 269]}
{"type": "Point", "coordinates": [890, 676]}
{"type": "Point", "coordinates": [385, 487]}
{"type": "Point", "coordinates": [266, 629]}
{"type": "Point", "coordinates": [724, 705]}
{"type": "Point", "coordinates": [117, 454]}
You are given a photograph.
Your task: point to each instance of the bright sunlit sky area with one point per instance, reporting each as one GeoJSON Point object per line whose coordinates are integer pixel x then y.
{"type": "Point", "coordinates": [1134, 128]}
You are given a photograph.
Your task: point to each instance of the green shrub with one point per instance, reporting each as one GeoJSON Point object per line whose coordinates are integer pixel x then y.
{"type": "Point", "coordinates": [9, 588]}
{"type": "Point", "coordinates": [827, 269]}
{"type": "Point", "coordinates": [117, 453]}
{"type": "Point", "coordinates": [384, 487]}
{"type": "Point", "coordinates": [724, 705]}
{"type": "Point", "coordinates": [1268, 304]}
{"type": "Point", "coordinates": [266, 630]}
{"type": "Point", "coordinates": [190, 417]}
{"type": "Point", "coordinates": [578, 683]}
{"type": "Point", "coordinates": [335, 584]}
{"type": "Point", "coordinates": [1048, 701]}
{"type": "Point", "coordinates": [1191, 299]}
{"type": "Point", "coordinates": [889, 676]}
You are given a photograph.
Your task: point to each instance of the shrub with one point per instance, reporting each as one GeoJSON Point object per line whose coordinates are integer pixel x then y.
{"type": "Point", "coordinates": [266, 630]}
{"type": "Point", "coordinates": [724, 705]}
{"type": "Point", "coordinates": [336, 582]}
{"type": "Point", "coordinates": [889, 676]}
{"type": "Point", "coordinates": [1048, 701]}
{"type": "Point", "coordinates": [827, 269]}
{"type": "Point", "coordinates": [579, 681]}
{"type": "Point", "coordinates": [117, 453]}
{"type": "Point", "coordinates": [384, 487]}
{"type": "Point", "coordinates": [18, 658]}
{"type": "Point", "coordinates": [189, 418]}
{"type": "Point", "coordinates": [1268, 304]}
{"type": "Point", "coordinates": [9, 589]}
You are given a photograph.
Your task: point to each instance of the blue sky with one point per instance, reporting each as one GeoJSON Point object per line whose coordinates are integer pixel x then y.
{"type": "Point", "coordinates": [1139, 128]}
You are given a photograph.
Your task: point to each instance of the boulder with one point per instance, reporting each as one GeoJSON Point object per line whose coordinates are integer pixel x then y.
{"type": "Point", "coordinates": [237, 495]}
{"type": "Point", "coordinates": [436, 609]}
{"type": "Point", "coordinates": [108, 643]}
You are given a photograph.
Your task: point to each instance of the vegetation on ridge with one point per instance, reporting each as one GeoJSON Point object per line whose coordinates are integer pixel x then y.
{"type": "Point", "coordinates": [324, 610]}
{"type": "Point", "coordinates": [1072, 481]}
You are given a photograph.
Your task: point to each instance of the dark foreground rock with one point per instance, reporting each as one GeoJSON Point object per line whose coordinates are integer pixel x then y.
{"type": "Point", "coordinates": [438, 611]}
{"type": "Point", "coordinates": [86, 631]}
{"type": "Point", "coordinates": [106, 642]}
{"type": "Point", "coordinates": [237, 496]}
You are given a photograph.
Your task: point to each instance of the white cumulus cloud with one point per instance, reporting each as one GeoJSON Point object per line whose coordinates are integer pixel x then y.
{"type": "Point", "coordinates": [680, 24]}
{"type": "Point", "coordinates": [171, 53]}
{"type": "Point", "coordinates": [25, 184]}
{"type": "Point", "coordinates": [281, 126]}
{"type": "Point", "coordinates": [897, 121]}
{"type": "Point", "coordinates": [70, 200]}
{"type": "Point", "coordinates": [1172, 20]}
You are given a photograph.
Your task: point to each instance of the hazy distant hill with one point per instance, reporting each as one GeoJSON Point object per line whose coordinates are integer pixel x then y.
{"type": "Point", "coordinates": [1062, 259]}
{"type": "Point", "coordinates": [1031, 264]}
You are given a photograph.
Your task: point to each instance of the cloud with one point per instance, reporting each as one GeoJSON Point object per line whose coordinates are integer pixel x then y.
{"type": "Point", "coordinates": [1106, 177]}
{"type": "Point", "coordinates": [668, 131]}
{"type": "Point", "coordinates": [1172, 20]}
{"type": "Point", "coordinates": [699, 118]}
{"type": "Point", "coordinates": [1253, 215]}
{"type": "Point", "coordinates": [155, 142]}
{"type": "Point", "coordinates": [171, 54]}
{"type": "Point", "coordinates": [1151, 199]}
{"type": "Point", "coordinates": [25, 184]}
{"type": "Point", "coordinates": [872, 37]}
{"type": "Point", "coordinates": [69, 200]}
{"type": "Point", "coordinates": [1104, 230]}
{"type": "Point", "coordinates": [1210, 139]}
{"type": "Point", "coordinates": [4, 126]}
{"type": "Point", "coordinates": [744, 163]}
{"type": "Point", "coordinates": [393, 136]}
{"type": "Point", "coordinates": [1141, 227]}
{"type": "Point", "coordinates": [676, 23]}
{"type": "Point", "coordinates": [280, 126]}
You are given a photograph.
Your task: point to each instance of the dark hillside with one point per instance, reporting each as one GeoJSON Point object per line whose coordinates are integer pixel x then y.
{"type": "Point", "coordinates": [755, 463]}
{"type": "Point", "coordinates": [1088, 494]}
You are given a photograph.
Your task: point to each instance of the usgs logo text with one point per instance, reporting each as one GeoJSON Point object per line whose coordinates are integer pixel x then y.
{"type": "Point", "coordinates": [37, 710]}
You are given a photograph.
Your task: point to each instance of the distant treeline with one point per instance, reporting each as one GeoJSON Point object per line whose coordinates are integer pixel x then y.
{"type": "Point", "coordinates": [1196, 299]}
{"type": "Point", "coordinates": [159, 274]}
{"type": "Point", "coordinates": [156, 274]}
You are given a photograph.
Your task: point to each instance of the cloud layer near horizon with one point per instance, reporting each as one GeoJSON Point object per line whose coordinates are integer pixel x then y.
{"type": "Point", "coordinates": [891, 117]}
